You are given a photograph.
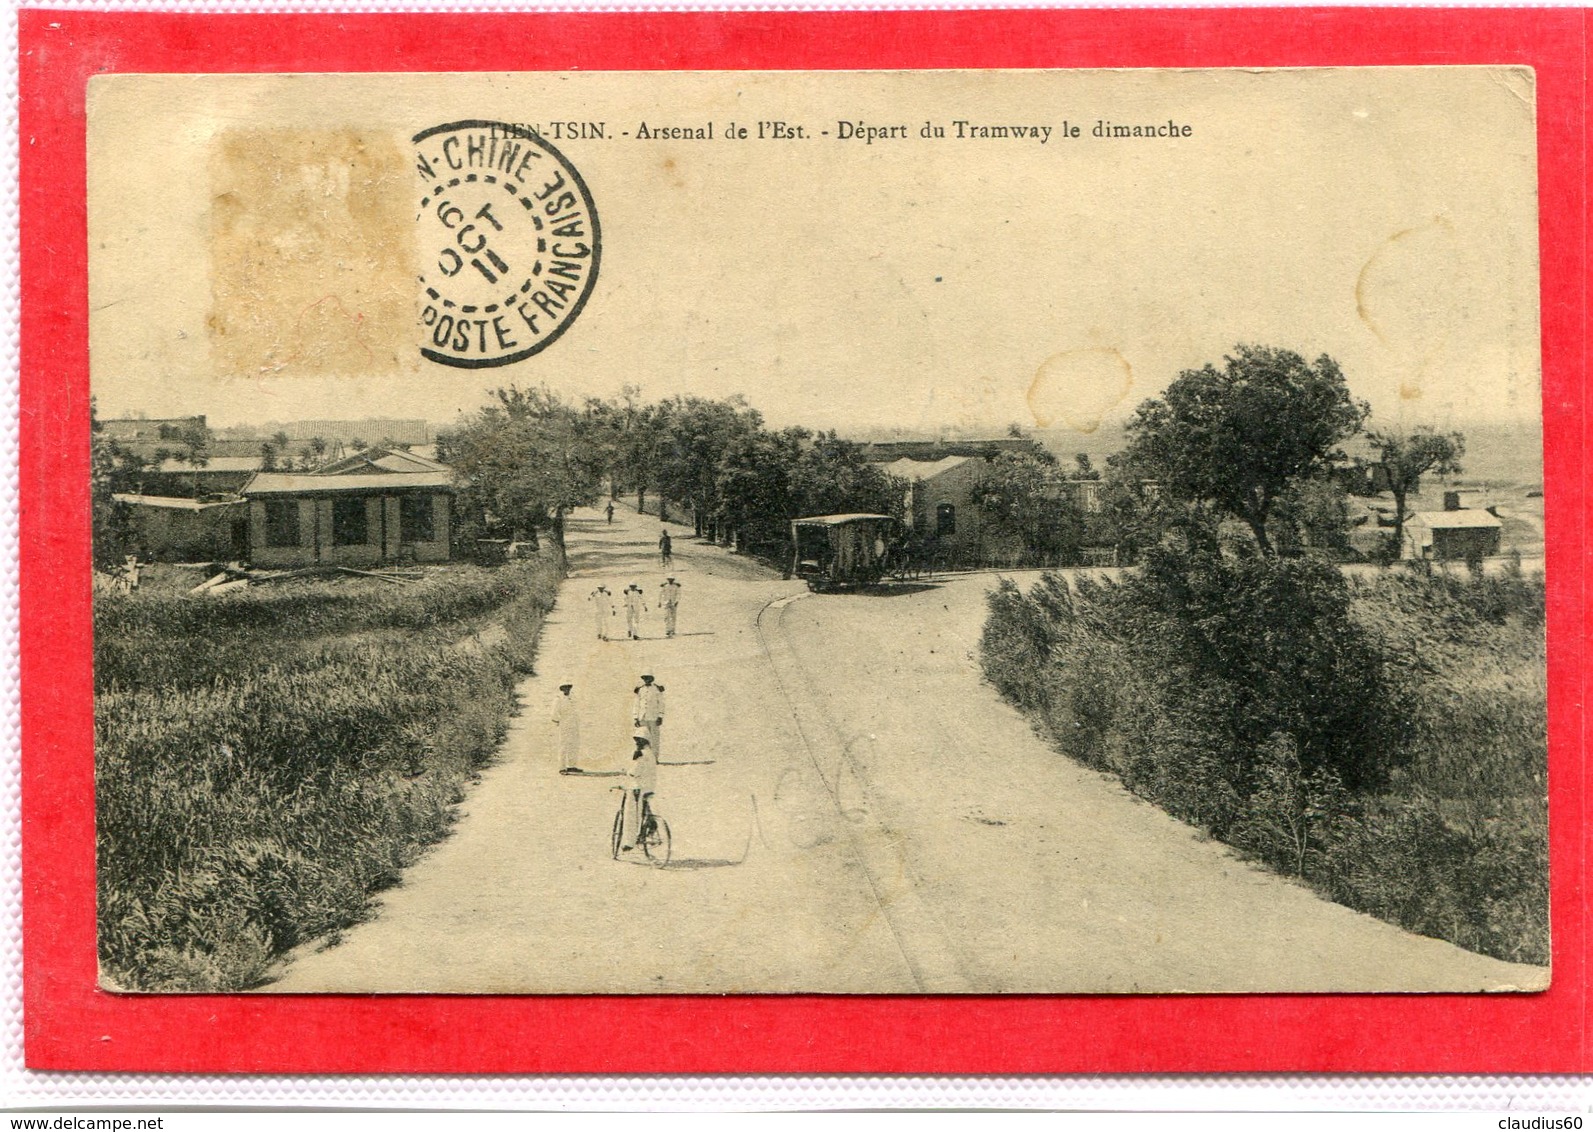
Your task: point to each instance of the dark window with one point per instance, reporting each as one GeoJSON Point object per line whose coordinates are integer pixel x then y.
{"type": "Point", "coordinates": [282, 522]}
{"type": "Point", "coordinates": [348, 522]}
{"type": "Point", "coordinates": [415, 522]}
{"type": "Point", "coordinates": [945, 519]}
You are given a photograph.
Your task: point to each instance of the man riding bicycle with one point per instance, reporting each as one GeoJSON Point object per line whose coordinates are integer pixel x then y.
{"type": "Point", "coordinates": [643, 775]}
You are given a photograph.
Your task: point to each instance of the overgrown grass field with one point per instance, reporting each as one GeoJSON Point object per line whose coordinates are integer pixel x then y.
{"type": "Point", "coordinates": [1383, 739]}
{"type": "Point", "coordinates": [268, 759]}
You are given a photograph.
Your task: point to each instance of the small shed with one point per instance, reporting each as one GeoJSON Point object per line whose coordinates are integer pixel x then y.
{"type": "Point", "coordinates": [307, 519]}
{"type": "Point", "coordinates": [170, 529]}
{"type": "Point", "coordinates": [1452, 535]}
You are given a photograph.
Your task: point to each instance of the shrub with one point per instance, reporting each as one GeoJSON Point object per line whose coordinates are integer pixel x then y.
{"type": "Point", "coordinates": [1384, 740]}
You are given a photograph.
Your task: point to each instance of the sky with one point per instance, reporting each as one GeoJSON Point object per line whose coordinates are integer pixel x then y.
{"type": "Point", "coordinates": [254, 245]}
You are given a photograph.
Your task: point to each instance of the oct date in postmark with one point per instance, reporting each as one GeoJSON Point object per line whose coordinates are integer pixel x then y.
{"type": "Point", "coordinates": [509, 243]}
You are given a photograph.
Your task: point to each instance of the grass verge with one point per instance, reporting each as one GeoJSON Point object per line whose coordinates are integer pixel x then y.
{"type": "Point", "coordinates": [269, 759]}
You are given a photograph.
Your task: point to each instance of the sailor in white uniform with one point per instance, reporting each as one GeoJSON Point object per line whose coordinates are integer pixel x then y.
{"type": "Point", "coordinates": [648, 712]}
{"type": "Point", "coordinates": [602, 609]}
{"type": "Point", "coordinates": [669, 602]}
{"type": "Point", "coordinates": [634, 607]}
{"type": "Point", "coordinates": [567, 718]}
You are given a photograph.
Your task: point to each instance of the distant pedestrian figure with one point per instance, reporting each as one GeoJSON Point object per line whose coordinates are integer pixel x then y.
{"type": "Point", "coordinates": [611, 512]}
{"type": "Point", "coordinates": [567, 718]}
{"type": "Point", "coordinates": [666, 549]}
{"type": "Point", "coordinates": [602, 610]}
{"type": "Point", "coordinates": [130, 574]}
{"type": "Point", "coordinates": [643, 782]}
{"type": "Point", "coordinates": [648, 713]}
{"type": "Point", "coordinates": [669, 602]}
{"type": "Point", "coordinates": [634, 608]}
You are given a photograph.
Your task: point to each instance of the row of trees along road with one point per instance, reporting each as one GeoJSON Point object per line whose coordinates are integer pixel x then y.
{"type": "Point", "coordinates": [1256, 433]}
{"type": "Point", "coordinates": [1254, 439]}
{"type": "Point", "coordinates": [529, 457]}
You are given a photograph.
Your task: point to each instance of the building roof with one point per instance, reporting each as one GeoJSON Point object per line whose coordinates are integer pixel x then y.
{"type": "Point", "coordinates": [1457, 519]}
{"type": "Point", "coordinates": [214, 464]}
{"type": "Point", "coordinates": [312, 483]}
{"type": "Point", "coordinates": [381, 459]}
{"type": "Point", "coordinates": [173, 503]}
{"type": "Point", "coordinates": [836, 520]}
{"type": "Point", "coordinates": [920, 470]}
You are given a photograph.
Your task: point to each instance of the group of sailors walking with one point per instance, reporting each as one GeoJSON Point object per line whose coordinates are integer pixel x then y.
{"type": "Point", "coordinates": [605, 606]}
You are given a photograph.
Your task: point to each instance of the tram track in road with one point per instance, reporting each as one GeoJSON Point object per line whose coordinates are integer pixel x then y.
{"type": "Point", "coordinates": [899, 893]}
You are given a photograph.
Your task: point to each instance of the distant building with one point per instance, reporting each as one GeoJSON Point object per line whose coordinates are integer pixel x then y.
{"type": "Point", "coordinates": [1452, 535]}
{"type": "Point", "coordinates": [1365, 474]}
{"type": "Point", "coordinates": [372, 430]}
{"type": "Point", "coordinates": [165, 529]}
{"type": "Point", "coordinates": [352, 519]}
{"type": "Point", "coordinates": [886, 451]}
{"type": "Point", "coordinates": [143, 436]}
{"type": "Point", "coordinates": [940, 507]}
{"type": "Point", "coordinates": [1084, 494]}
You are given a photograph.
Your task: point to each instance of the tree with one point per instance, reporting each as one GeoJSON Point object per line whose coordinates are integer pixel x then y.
{"type": "Point", "coordinates": [1239, 436]}
{"type": "Point", "coordinates": [1407, 456]}
{"type": "Point", "coordinates": [1024, 495]}
{"type": "Point", "coordinates": [527, 459]}
{"type": "Point", "coordinates": [192, 442]}
{"type": "Point", "coordinates": [699, 432]}
{"type": "Point", "coordinates": [111, 469]}
{"type": "Point", "coordinates": [1083, 469]}
{"type": "Point", "coordinates": [754, 485]}
{"type": "Point", "coordinates": [1314, 514]}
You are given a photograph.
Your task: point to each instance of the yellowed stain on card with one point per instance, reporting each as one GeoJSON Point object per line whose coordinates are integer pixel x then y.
{"type": "Point", "coordinates": [1078, 388]}
{"type": "Point", "coordinates": [310, 253]}
{"type": "Point", "coordinates": [1408, 294]}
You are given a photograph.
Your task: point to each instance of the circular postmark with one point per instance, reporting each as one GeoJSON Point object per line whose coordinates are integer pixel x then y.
{"type": "Point", "coordinates": [509, 243]}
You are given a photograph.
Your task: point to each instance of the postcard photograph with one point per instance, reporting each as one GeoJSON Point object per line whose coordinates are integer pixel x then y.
{"type": "Point", "coordinates": [935, 532]}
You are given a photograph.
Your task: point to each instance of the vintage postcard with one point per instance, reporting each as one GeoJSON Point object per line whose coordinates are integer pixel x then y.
{"type": "Point", "coordinates": [853, 532]}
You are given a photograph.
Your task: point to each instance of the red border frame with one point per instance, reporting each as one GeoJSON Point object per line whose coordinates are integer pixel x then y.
{"type": "Point", "coordinates": [71, 1025]}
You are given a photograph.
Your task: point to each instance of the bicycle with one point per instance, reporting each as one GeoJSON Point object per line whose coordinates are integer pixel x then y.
{"type": "Point", "coordinates": [652, 838]}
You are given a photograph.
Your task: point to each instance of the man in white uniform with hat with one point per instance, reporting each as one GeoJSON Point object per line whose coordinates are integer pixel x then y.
{"type": "Point", "coordinates": [634, 608]}
{"type": "Point", "coordinates": [602, 609]}
{"type": "Point", "coordinates": [567, 719]}
{"type": "Point", "coordinates": [648, 713]}
{"type": "Point", "coordinates": [669, 602]}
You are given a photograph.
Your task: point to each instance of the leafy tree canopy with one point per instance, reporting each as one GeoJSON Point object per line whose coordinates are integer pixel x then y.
{"type": "Point", "coordinates": [1240, 435]}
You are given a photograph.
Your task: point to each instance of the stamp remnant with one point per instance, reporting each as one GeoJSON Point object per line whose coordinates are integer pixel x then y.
{"type": "Point", "coordinates": [509, 243]}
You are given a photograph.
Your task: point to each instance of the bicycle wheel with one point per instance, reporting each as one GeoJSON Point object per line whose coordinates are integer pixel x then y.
{"type": "Point", "coordinates": [619, 830]}
{"type": "Point", "coordinates": [656, 843]}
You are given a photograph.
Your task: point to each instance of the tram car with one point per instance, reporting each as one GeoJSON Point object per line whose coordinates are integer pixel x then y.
{"type": "Point", "coordinates": [835, 551]}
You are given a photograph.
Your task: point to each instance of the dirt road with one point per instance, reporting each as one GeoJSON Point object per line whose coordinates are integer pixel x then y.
{"type": "Point", "coordinates": [852, 810]}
